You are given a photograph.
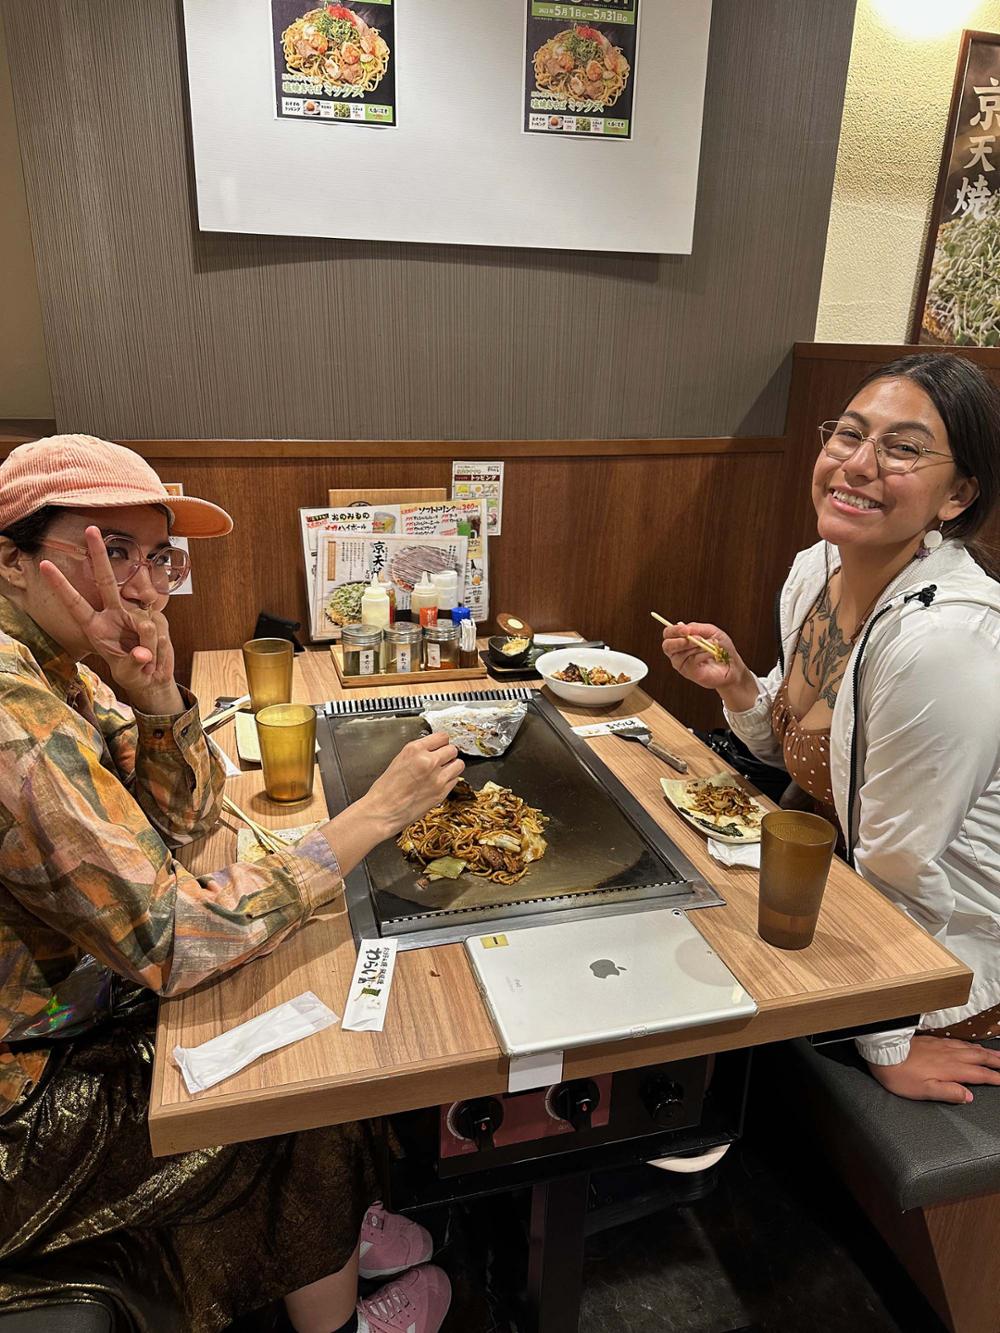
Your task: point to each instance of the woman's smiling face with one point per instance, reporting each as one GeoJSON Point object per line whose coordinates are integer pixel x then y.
{"type": "Point", "coordinates": [858, 504]}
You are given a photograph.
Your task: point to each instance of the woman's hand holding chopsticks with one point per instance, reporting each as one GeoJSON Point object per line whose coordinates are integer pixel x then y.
{"type": "Point", "coordinates": [688, 647]}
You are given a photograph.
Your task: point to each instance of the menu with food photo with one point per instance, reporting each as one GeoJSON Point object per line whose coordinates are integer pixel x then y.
{"type": "Point", "coordinates": [315, 521]}
{"type": "Point", "coordinates": [335, 63]}
{"type": "Point", "coordinates": [425, 518]}
{"type": "Point", "coordinates": [580, 68]}
{"type": "Point", "coordinates": [346, 563]}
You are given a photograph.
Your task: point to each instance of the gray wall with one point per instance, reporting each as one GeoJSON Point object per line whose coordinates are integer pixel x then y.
{"type": "Point", "coordinates": [155, 330]}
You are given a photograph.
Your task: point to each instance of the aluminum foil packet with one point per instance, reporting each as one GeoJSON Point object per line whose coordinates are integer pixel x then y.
{"type": "Point", "coordinates": [480, 729]}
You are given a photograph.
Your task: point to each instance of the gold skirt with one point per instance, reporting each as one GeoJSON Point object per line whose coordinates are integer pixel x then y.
{"type": "Point", "coordinates": [182, 1244]}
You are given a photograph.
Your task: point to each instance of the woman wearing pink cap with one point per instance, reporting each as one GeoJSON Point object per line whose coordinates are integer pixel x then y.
{"type": "Point", "coordinates": [96, 916]}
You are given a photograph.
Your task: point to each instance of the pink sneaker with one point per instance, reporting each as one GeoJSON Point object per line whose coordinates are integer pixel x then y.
{"type": "Point", "coordinates": [415, 1303]}
{"type": "Point", "coordinates": [390, 1244]}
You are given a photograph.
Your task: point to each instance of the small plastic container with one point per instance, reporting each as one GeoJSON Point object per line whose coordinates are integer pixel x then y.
{"type": "Point", "coordinates": [401, 648]}
{"type": "Point", "coordinates": [441, 648]}
{"type": "Point", "coordinates": [362, 646]}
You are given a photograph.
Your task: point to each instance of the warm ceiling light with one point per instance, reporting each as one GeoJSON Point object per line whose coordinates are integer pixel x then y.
{"type": "Point", "coordinates": [925, 18]}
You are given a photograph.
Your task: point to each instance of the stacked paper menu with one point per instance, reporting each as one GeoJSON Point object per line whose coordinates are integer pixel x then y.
{"type": "Point", "coordinates": [344, 547]}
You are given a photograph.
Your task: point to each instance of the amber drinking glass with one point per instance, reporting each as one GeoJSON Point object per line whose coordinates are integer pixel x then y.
{"type": "Point", "coordinates": [268, 664]}
{"type": "Point", "coordinates": [795, 854]}
{"type": "Point", "coordinates": [287, 734]}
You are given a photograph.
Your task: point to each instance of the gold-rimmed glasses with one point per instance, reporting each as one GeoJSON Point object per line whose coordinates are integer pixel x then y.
{"type": "Point", "coordinates": [168, 567]}
{"type": "Point", "coordinates": [895, 451]}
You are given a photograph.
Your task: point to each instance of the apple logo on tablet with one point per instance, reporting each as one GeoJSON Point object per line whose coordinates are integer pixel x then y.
{"type": "Point", "coordinates": [604, 967]}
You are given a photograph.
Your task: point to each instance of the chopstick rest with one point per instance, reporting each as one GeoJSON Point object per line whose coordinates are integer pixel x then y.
{"type": "Point", "coordinates": [205, 1065]}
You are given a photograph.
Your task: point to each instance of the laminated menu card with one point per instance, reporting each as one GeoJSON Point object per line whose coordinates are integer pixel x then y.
{"type": "Point", "coordinates": [346, 563]}
{"type": "Point", "coordinates": [420, 519]}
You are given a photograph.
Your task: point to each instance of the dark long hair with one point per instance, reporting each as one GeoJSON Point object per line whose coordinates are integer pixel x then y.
{"type": "Point", "coordinates": [968, 403]}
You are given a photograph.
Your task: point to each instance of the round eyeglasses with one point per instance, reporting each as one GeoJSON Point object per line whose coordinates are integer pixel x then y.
{"type": "Point", "coordinates": [895, 452]}
{"type": "Point", "coordinates": [168, 567]}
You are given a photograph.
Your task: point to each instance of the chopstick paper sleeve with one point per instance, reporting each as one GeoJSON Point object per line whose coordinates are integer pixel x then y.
{"type": "Point", "coordinates": [205, 1065]}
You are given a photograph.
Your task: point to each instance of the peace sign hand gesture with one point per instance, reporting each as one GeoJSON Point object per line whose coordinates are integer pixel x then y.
{"type": "Point", "coordinates": [136, 646]}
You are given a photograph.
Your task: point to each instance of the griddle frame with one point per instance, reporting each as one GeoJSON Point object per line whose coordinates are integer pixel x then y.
{"type": "Point", "coordinates": [454, 925]}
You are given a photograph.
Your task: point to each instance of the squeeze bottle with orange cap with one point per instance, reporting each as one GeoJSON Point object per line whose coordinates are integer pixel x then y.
{"type": "Point", "coordinates": [424, 601]}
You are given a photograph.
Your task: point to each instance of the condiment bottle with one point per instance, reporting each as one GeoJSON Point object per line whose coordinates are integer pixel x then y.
{"type": "Point", "coordinates": [402, 649]}
{"type": "Point", "coordinates": [446, 584]}
{"type": "Point", "coordinates": [376, 610]}
{"type": "Point", "coordinates": [375, 604]}
{"type": "Point", "coordinates": [424, 601]}
{"type": "Point", "coordinates": [362, 646]}
{"type": "Point", "coordinates": [441, 646]}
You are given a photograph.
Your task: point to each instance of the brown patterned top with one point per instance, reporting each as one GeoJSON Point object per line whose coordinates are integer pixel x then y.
{"type": "Point", "coordinates": [807, 754]}
{"type": "Point", "coordinates": [92, 796]}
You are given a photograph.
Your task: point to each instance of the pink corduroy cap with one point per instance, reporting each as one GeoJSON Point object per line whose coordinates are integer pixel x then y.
{"type": "Point", "coordinates": [83, 472]}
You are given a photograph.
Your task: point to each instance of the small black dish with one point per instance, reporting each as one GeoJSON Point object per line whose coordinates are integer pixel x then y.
{"type": "Point", "coordinates": [502, 659]}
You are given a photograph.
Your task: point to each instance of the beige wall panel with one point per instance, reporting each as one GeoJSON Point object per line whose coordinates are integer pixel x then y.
{"type": "Point", "coordinates": [157, 330]}
{"type": "Point", "coordinates": [899, 86]}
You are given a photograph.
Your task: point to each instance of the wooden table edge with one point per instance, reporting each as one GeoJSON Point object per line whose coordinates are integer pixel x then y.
{"type": "Point", "coordinates": [313, 1103]}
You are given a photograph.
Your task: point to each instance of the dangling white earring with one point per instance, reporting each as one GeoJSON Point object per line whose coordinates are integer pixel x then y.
{"type": "Point", "coordinates": [932, 540]}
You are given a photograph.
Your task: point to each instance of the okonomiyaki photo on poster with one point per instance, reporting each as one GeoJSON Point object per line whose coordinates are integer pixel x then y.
{"type": "Point", "coordinates": [335, 63]}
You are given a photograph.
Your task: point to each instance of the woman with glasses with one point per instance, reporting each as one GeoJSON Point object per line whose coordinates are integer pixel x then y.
{"type": "Point", "coordinates": [885, 703]}
{"type": "Point", "coordinates": [96, 788]}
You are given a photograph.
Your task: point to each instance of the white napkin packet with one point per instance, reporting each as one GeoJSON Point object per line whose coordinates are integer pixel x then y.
{"type": "Point", "coordinates": [368, 998]}
{"type": "Point", "coordinates": [732, 854]}
{"type": "Point", "coordinates": [205, 1065]}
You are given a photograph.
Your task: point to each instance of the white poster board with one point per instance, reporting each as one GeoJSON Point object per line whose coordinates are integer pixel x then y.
{"type": "Point", "coordinates": [457, 166]}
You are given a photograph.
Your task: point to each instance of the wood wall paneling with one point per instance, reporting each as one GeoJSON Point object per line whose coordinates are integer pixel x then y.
{"type": "Point", "coordinates": [156, 330]}
{"type": "Point", "coordinates": [592, 543]}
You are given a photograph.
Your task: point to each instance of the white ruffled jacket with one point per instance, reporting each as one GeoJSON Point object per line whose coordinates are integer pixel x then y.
{"type": "Point", "coordinates": [914, 755]}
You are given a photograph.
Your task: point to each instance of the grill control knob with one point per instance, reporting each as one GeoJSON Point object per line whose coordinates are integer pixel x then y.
{"type": "Point", "coordinates": [576, 1102]}
{"type": "Point", "coordinates": [478, 1121]}
{"type": "Point", "coordinates": [663, 1099]}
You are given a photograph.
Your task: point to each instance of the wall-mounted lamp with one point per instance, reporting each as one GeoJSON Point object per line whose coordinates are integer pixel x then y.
{"type": "Point", "coordinates": [924, 18]}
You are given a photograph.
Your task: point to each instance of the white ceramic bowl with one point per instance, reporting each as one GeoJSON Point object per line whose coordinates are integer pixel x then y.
{"type": "Point", "coordinates": [591, 696]}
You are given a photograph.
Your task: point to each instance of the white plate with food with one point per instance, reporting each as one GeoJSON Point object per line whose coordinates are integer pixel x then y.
{"type": "Point", "coordinates": [718, 806]}
{"type": "Point", "coordinates": [593, 677]}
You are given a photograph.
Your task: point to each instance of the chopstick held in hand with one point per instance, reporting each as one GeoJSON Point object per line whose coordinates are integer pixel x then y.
{"type": "Point", "coordinates": [715, 650]}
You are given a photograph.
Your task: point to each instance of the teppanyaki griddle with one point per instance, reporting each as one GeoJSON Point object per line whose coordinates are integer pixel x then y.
{"type": "Point", "coordinates": [605, 854]}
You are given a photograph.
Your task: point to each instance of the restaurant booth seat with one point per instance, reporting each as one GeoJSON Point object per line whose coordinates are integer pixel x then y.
{"type": "Point", "coordinates": [926, 1174]}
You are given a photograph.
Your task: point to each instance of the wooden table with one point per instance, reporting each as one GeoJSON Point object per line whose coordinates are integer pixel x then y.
{"type": "Point", "coordinates": [868, 963]}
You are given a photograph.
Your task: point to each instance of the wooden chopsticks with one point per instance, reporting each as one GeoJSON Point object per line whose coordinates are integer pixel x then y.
{"type": "Point", "coordinates": [267, 840]}
{"type": "Point", "coordinates": [222, 715]}
{"type": "Point", "coordinates": [715, 650]}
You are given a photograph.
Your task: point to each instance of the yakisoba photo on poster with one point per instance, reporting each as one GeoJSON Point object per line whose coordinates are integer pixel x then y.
{"type": "Point", "coordinates": [337, 50]}
{"type": "Point", "coordinates": [581, 65]}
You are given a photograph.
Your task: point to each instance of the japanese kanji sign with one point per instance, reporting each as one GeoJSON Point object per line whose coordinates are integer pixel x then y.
{"type": "Point", "coordinates": [959, 296]}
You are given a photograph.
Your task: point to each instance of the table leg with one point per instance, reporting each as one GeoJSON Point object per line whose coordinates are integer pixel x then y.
{"type": "Point", "coordinates": [555, 1260]}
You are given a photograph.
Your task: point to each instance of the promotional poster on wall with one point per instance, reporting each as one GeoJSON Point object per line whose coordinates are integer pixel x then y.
{"type": "Point", "coordinates": [335, 63]}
